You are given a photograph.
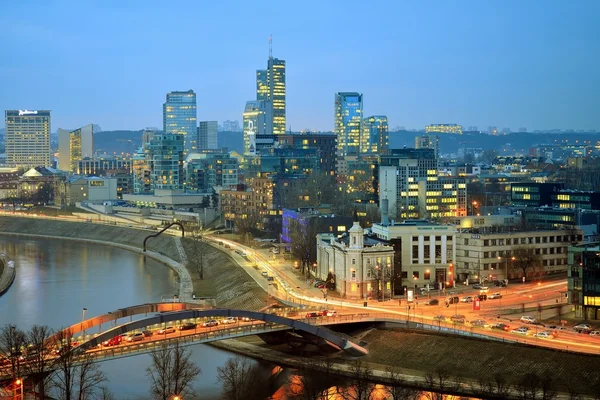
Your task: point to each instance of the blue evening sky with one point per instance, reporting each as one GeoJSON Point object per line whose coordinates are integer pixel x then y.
{"type": "Point", "coordinates": [533, 63]}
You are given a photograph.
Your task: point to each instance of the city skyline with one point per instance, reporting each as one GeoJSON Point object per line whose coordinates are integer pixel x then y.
{"type": "Point", "coordinates": [536, 71]}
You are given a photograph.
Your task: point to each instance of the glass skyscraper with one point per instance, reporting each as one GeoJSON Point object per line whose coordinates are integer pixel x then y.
{"type": "Point", "coordinates": [207, 135]}
{"type": "Point", "coordinates": [375, 137]}
{"type": "Point", "coordinates": [179, 117]}
{"type": "Point", "coordinates": [348, 122]}
{"type": "Point", "coordinates": [166, 160]}
{"type": "Point", "coordinates": [270, 91]}
{"type": "Point", "coordinates": [27, 138]}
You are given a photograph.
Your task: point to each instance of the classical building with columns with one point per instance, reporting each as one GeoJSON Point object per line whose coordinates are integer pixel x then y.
{"type": "Point", "coordinates": [361, 266]}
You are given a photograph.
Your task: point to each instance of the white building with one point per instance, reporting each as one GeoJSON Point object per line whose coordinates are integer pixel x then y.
{"type": "Point", "coordinates": [361, 266]}
{"type": "Point", "coordinates": [74, 146]}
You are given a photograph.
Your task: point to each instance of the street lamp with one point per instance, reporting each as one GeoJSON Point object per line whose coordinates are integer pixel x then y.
{"type": "Point", "coordinates": [82, 319]}
{"type": "Point", "coordinates": [506, 264]}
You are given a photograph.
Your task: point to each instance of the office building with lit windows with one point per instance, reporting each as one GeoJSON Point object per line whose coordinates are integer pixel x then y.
{"type": "Point", "coordinates": [271, 92]}
{"type": "Point", "coordinates": [375, 136]}
{"type": "Point", "coordinates": [166, 160]}
{"type": "Point", "coordinates": [254, 125]}
{"type": "Point", "coordinates": [584, 280]}
{"type": "Point", "coordinates": [428, 142]}
{"type": "Point", "coordinates": [74, 146]}
{"type": "Point", "coordinates": [444, 128]}
{"type": "Point", "coordinates": [27, 138]}
{"type": "Point", "coordinates": [179, 118]}
{"type": "Point", "coordinates": [207, 135]}
{"type": "Point", "coordinates": [348, 122]}
{"type": "Point", "coordinates": [533, 193]}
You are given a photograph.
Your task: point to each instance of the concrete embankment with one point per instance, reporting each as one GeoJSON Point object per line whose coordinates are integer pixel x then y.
{"type": "Point", "coordinates": [7, 277]}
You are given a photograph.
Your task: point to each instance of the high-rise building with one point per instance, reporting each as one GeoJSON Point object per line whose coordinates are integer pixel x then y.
{"type": "Point", "coordinates": [428, 142]}
{"type": "Point", "coordinates": [147, 135]}
{"type": "Point", "coordinates": [207, 135]}
{"type": "Point", "coordinates": [179, 118]}
{"type": "Point", "coordinates": [27, 138]}
{"type": "Point", "coordinates": [254, 124]}
{"type": "Point", "coordinates": [375, 138]}
{"type": "Point", "coordinates": [444, 128]}
{"type": "Point", "coordinates": [74, 146]}
{"type": "Point", "coordinates": [348, 120]}
{"type": "Point", "coordinates": [166, 159]}
{"type": "Point", "coordinates": [231, 126]}
{"type": "Point", "coordinates": [270, 91]}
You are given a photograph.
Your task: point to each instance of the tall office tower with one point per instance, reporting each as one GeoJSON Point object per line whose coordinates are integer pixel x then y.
{"type": "Point", "coordinates": [348, 120]}
{"type": "Point", "coordinates": [375, 138]}
{"type": "Point", "coordinates": [179, 118]}
{"type": "Point", "coordinates": [74, 146]}
{"type": "Point", "coordinates": [27, 138]}
{"type": "Point", "coordinates": [270, 90]}
{"type": "Point", "coordinates": [254, 120]}
{"type": "Point", "coordinates": [444, 128]}
{"type": "Point", "coordinates": [207, 135]}
{"type": "Point", "coordinates": [428, 142]}
{"type": "Point", "coordinates": [166, 159]}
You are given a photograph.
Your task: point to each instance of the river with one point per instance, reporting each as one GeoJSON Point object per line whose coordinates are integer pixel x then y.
{"type": "Point", "coordinates": [56, 279]}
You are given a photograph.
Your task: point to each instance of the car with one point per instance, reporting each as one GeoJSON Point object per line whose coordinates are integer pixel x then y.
{"type": "Point", "coordinates": [115, 341]}
{"type": "Point", "coordinates": [439, 318]}
{"type": "Point", "coordinates": [476, 286]}
{"type": "Point", "coordinates": [458, 318]}
{"type": "Point", "coordinates": [165, 330]}
{"type": "Point", "coordinates": [136, 337]}
{"type": "Point", "coordinates": [312, 315]}
{"type": "Point", "coordinates": [270, 278]}
{"type": "Point", "coordinates": [247, 319]}
{"type": "Point", "coordinates": [212, 322]}
{"type": "Point", "coordinates": [583, 327]}
{"type": "Point", "coordinates": [466, 299]}
{"type": "Point", "coordinates": [527, 319]}
{"type": "Point", "coordinates": [187, 326]}
{"type": "Point", "coordinates": [432, 302]}
{"type": "Point", "coordinates": [147, 333]}
{"type": "Point", "coordinates": [330, 313]}
{"type": "Point", "coordinates": [230, 320]}
{"type": "Point", "coordinates": [494, 296]}
{"type": "Point", "coordinates": [538, 324]}
{"type": "Point", "coordinates": [595, 333]}
{"type": "Point", "coordinates": [265, 274]}
{"type": "Point", "coordinates": [544, 335]}
{"type": "Point", "coordinates": [501, 326]}
{"type": "Point", "coordinates": [479, 323]}
{"type": "Point", "coordinates": [484, 289]}
{"type": "Point", "coordinates": [523, 330]}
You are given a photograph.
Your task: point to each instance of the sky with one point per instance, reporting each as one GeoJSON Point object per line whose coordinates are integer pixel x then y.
{"type": "Point", "coordinates": [514, 63]}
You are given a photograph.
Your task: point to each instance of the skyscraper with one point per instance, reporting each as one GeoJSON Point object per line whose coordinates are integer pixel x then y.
{"type": "Point", "coordinates": [27, 138]}
{"type": "Point", "coordinates": [375, 136]}
{"type": "Point", "coordinates": [74, 146]}
{"type": "Point", "coordinates": [270, 91]}
{"type": "Point", "coordinates": [179, 117]}
{"type": "Point", "coordinates": [254, 124]}
{"type": "Point", "coordinates": [207, 135]}
{"type": "Point", "coordinates": [348, 122]}
{"type": "Point", "coordinates": [166, 160]}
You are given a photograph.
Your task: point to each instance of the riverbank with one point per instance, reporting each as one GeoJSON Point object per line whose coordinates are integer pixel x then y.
{"type": "Point", "coordinates": [223, 279]}
{"type": "Point", "coordinates": [465, 360]}
{"type": "Point", "coordinates": [7, 277]}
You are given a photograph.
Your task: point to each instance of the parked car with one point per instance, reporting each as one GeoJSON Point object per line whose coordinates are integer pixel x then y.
{"type": "Point", "coordinates": [466, 299]}
{"type": "Point", "coordinates": [494, 296]}
{"type": "Point", "coordinates": [432, 302]}
{"type": "Point", "coordinates": [114, 341]}
{"type": "Point", "coordinates": [312, 315]}
{"type": "Point", "coordinates": [544, 335]}
{"type": "Point", "coordinates": [136, 337]}
{"type": "Point", "coordinates": [230, 320]}
{"type": "Point", "coordinates": [187, 326]}
{"type": "Point", "coordinates": [501, 326]}
{"type": "Point", "coordinates": [527, 319]}
{"type": "Point", "coordinates": [523, 330]}
{"type": "Point", "coordinates": [147, 333]}
{"type": "Point", "coordinates": [165, 330]}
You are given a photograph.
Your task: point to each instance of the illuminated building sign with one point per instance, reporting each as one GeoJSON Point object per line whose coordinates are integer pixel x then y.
{"type": "Point", "coordinates": [27, 112]}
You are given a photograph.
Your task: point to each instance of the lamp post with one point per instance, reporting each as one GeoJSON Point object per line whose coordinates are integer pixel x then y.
{"type": "Point", "coordinates": [82, 319]}
{"type": "Point", "coordinates": [506, 265]}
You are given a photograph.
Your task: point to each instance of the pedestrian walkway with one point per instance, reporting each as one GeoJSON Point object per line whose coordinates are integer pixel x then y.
{"type": "Point", "coordinates": [181, 250]}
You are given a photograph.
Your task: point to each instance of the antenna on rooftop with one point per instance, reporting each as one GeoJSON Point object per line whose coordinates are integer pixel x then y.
{"type": "Point", "coordinates": [271, 46]}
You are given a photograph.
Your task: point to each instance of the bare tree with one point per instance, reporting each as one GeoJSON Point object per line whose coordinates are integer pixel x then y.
{"type": "Point", "coordinates": [315, 378]}
{"type": "Point", "coordinates": [320, 189]}
{"type": "Point", "coordinates": [89, 377]}
{"type": "Point", "coordinates": [380, 274]}
{"type": "Point", "coordinates": [246, 223]}
{"type": "Point", "coordinates": [303, 241]}
{"type": "Point", "coordinates": [63, 379]}
{"type": "Point", "coordinates": [397, 386]}
{"type": "Point", "coordinates": [171, 372]}
{"type": "Point", "coordinates": [242, 380]}
{"type": "Point", "coordinates": [496, 387]}
{"type": "Point", "coordinates": [524, 259]}
{"type": "Point", "coordinates": [196, 250]}
{"type": "Point", "coordinates": [12, 340]}
{"type": "Point", "coordinates": [359, 384]}
{"type": "Point", "coordinates": [37, 363]}
{"type": "Point", "coordinates": [528, 386]}
{"type": "Point", "coordinates": [439, 383]}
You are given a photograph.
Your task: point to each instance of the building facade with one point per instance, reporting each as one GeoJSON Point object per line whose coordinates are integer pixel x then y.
{"type": "Point", "coordinates": [254, 124]}
{"type": "Point", "coordinates": [444, 128]}
{"type": "Point", "coordinates": [206, 172]}
{"type": "Point", "coordinates": [324, 143]}
{"type": "Point", "coordinates": [375, 138]}
{"type": "Point", "coordinates": [533, 194]}
{"type": "Point", "coordinates": [207, 135]}
{"type": "Point", "coordinates": [428, 142]}
{"type": "Point", "coordinates": [584, 280]}
{"type": "Point", "coordinates": [179, 118]}
{"type": "Point", "coordinates": [74, 146]}
{"type": "Point", "coordinates": [360, 267]}
{"type": "Point", "coordinates": [166, 161]}
{"type": "Point", "coordinates": [101, 167]}
{"type": "Point", "coordinates": [27, 138]}
{"type": "Point", "coordinates": [348, 117]}
{"type": "Point", "coordinates": [271, 92]}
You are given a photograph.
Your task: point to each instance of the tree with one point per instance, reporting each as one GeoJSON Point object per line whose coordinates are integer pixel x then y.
{"type": "Point", "coordinates": [524, 259]}
{"type": "Point", "coordinates": [88, 378]}
{"type": "Point", "coordinates": [396, 387]}
{"type": "Point", "coordinates": [303, 241]}
{"type": "Point", "coordinates": [320, 189]}
{"type": "Point", "coordinates": [315, 378]}
{"type": "Point", "coordinates": [439, 383]}
{"type": "Point", "coordinates": [247, 223]}
{"type": "Point", "coordinates": [380, 274]}
{"type": "Point", "coordinates": [12, 340]}
{"type": "Point", "coordinates": [38, 364]}
{"type": "Point", "coordinates": [197, 248]}
{"type": "Point", "coordinates": [242, 380]}
{"type": "Point", "coordinates": [528, 386]}
{"type": "Point", "coordinates": [171, 372]}
{"type": "Point", "coordinates": [63, 380]}
{"type": "Point", "coordinates": [497, 387]}
{"type": "Point", "coordinates": [359, 385]}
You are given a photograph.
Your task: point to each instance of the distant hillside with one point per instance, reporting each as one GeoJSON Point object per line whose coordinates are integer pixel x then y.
{"type": "Point", "coordinates": [111, 142]}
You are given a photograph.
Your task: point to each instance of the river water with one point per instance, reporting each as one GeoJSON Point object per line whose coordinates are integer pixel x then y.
{"type": "Point", "coordinates": [56, 279]}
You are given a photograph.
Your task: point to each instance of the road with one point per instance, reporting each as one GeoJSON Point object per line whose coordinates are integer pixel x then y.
{"type": "Point", "coordinates": [287, 285]}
